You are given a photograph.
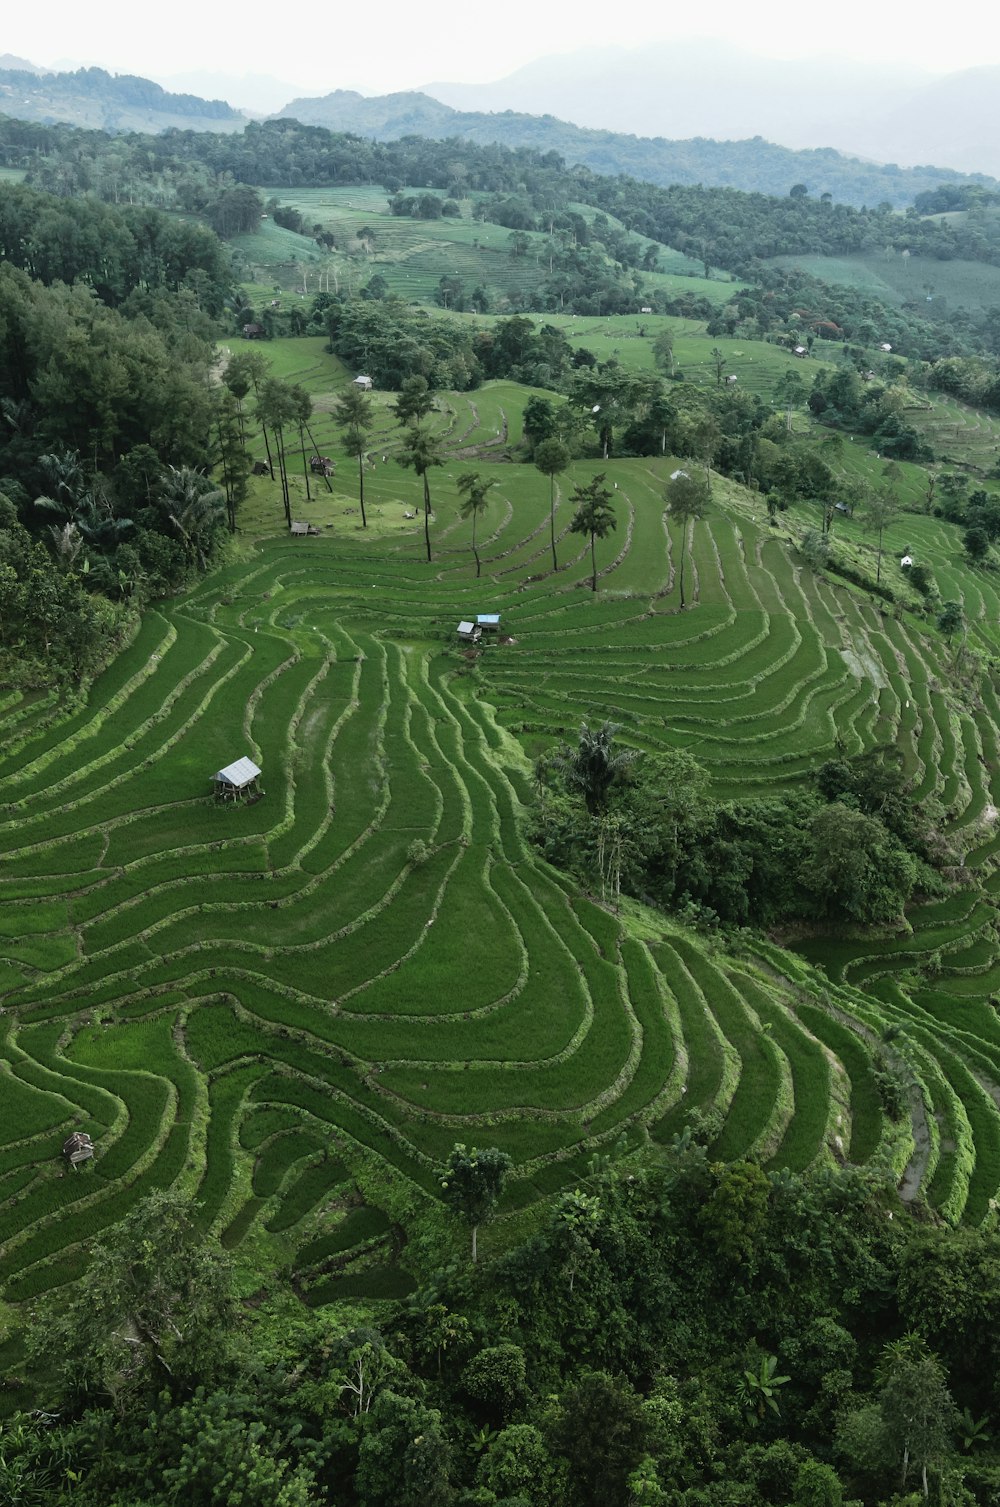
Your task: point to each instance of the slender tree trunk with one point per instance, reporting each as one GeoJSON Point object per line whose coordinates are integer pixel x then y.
{"type": "Point", "coordinates": [552, 519]}
{"type": "Point", "coordinates": [474, 549]}
{"type": "Point", "coordinates": [361, 489]}
{"type": "Point", "coordinates": [593, 562]}
{"type": "Point", "coordinates": [283, 473]}
{"type": "Point", "coordinates": [305, 463]}
{"type": "Point", "coordinates": [312, 442]}
{"type": "Point", "coordinates": [267, 448]}
{"type": "Point", "coordinates": [683, 543]}
{"type": "Point", "coordinates": [475, 1232]}
{"type": "Point", "coordinates": [427, 539]}
{"type": "Point", "coordinates": [226, 482]}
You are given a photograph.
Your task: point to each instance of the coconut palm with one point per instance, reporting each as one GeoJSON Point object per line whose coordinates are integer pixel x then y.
{"type": "Point", "coordinates": [420, 451]}
{"type": "Point", "coordinates": [552, 457]}
{"type": "Point", "coordinates": [687, 500]}
{"type": "Point", "coordinates": [594, 516]}
{"type": "Point", "coordinates": [476, 500]}
{"type": "Point", "coordinates": [353, 416]}
{"type": "Point", "coordinates": [595, 766]}
{"type": "Point", "coordinates": [196, 508]}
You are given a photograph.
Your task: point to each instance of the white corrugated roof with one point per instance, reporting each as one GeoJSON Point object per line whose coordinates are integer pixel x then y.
{"type": "Point", "coordinates": [465, 627]}
{"type": "Point", "coordinates": [488, 619]}
{"type": "Point", "coordinates": [240, 773]}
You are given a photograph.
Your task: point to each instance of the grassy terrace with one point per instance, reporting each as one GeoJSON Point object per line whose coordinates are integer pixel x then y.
{"type": "Point", "coordinates": [287, 1007]}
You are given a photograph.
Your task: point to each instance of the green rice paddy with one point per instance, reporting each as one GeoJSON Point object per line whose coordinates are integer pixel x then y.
{"type": "Point", "coordinates": [291, 1010]}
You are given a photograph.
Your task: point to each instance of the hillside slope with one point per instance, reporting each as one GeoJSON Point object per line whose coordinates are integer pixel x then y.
{"type": "Point", "coordinates": [750, 164]}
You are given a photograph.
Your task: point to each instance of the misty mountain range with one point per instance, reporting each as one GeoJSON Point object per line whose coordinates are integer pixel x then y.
{"type": "Point", "coordinates": [612, 109]}
{"type": "Point", "coordinates": [881, 110]}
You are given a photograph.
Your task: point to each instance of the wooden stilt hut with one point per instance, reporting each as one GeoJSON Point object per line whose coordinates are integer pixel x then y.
{"type": "Point", "coordinates": [238, 782]}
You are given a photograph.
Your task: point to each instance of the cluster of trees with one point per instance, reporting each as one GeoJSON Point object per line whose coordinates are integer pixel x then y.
{"type": "Point", "coordinates": [970, 378]}
{"type": "Point", "coordinates": [691, 1334]}
{"type": "Point", "coordinates": [52, 630]}
{"type": "Point", "coordinates": [109, 427]}
{"type": "Point", "coordinates": [393, 341]}
{"type": "Point", "coordinates": [787, 304]}
{"type": "Point", "coordinates": [118, 251]}
{"type": "Point", "coordinates": [850, 851]}
{"type": "Point", "coordinates": [848, 399]}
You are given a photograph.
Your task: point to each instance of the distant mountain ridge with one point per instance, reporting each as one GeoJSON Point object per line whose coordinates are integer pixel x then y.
{"type": "Point", "coordinates": [110, 102]}
{"type": "Point", "coordinates": [601, 89]}
{"type": "Point", "coordinates": [753, 164]}
{"type": "Point", "coordinates": [881, 109]}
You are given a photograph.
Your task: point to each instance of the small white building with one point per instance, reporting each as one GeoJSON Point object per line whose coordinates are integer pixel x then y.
{"type": "Point", "coordinates": [676, 475]}
{"type": "Point", "coordinates": [238, 781]}
{"type": "Point", "coordinates": [906, 562]}
{"type": "Point", "coordinates": [469, 633]}
{"type": "Point", "coordinates": [364, 383]}
{"type": "Point", "coordinates": [885, 347]}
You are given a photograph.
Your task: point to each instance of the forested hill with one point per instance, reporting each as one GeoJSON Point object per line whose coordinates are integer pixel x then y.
{"type": "Point", "coordinates": [753, 164]}
{"type": "Point", "coordinates": [520, 188]}
{"type": "Point", "coordinates": [122, 102]}
{"type": "Point", "coordinates": [93, 98]}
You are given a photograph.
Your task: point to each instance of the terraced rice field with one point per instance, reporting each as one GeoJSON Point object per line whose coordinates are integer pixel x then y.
{"type": "Point", "coordinates": [291, 1010]}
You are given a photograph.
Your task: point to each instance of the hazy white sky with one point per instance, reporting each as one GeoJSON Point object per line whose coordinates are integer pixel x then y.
{"type": "Point", "coordinates": [395, 46]}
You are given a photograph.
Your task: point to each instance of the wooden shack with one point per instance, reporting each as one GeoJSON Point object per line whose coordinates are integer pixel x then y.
{"type": "Point", "coordinates": [238, 782]}
{"type": "Point", "coordinates": [78, 1148]}
{"type": "Point", "coordinates": [299, 530]}
{"type": "Point", "coordinates": [469, 633]}
{"type": "Point", "coordinates": [488, 622]}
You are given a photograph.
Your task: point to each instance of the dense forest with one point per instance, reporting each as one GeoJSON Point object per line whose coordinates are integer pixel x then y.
{"type": "Point", "coordinates": [689, 1335]}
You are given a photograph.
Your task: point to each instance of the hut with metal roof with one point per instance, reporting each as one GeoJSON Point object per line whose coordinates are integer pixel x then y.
{"type": "Point", "coordinates": [469, 633]}
{"type": "Point", "coordinates": [489, 622]}
{"type": "Point", "coordinates": [238, 781]}
{"type": "Point", "coordinates": [78, 1148]}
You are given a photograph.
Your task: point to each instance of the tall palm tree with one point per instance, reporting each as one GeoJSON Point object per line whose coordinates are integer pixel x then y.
{"type": "Point", "coordinates": [421, 451]}
{"type": "Point", "coordinates": [594, 516]}
{"type": "Point", "coordinates": [475, 491]}
{"type": "Point", "coordinates": [277, 408]}
{"type": "Point", "coordinates": [595, 765]}
{"type": "Point", "coordinates": [353, 416]}
{"type": "Point", "coordinates": [196, 508]}
{"type": "Point", "coordinates": [551, 458]}
{"type": "Point", "coordinates": [687, 500]}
